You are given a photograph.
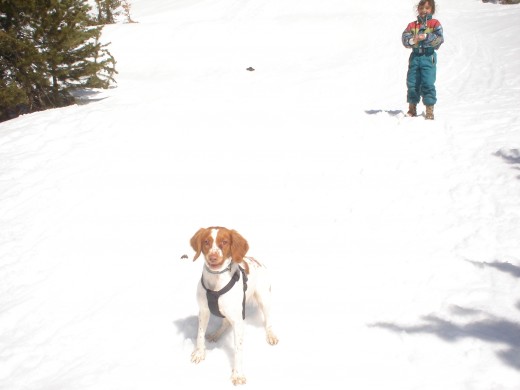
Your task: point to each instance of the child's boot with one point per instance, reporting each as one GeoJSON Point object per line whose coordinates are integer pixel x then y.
{"type": "Point", "coordinates": [429, 112]}
{"type": "Point", "coordinates": [412, 110]}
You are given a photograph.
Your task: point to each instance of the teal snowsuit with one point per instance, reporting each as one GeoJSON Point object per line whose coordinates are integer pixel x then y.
{"type": "Point", "coordinates": [422, 65]}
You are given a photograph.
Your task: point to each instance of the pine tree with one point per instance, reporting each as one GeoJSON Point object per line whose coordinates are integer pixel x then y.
{"type": "Point", "coordinates": [72, 44]}
{"type": "Point", "coordinates": [23, 87]}
{"type": "Point", "coordinates": [48, 48]}
{"type": "Point", "coordinates": [108, 10]}
{"type": "Point", "coordinates": [125, 4]}
{"type": "Point", "coordinates": [101, 74]}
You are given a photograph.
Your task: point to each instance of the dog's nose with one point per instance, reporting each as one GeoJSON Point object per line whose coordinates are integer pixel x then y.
{"type": "Point", "coordinates": [213, 257]}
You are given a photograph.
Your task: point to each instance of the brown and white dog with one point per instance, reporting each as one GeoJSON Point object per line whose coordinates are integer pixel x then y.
{"type": "Point", "coordinates": [229, 279]}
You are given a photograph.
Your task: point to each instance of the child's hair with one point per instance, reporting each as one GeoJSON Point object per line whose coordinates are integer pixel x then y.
{"type": "Point", "coordinates": [423, 2]}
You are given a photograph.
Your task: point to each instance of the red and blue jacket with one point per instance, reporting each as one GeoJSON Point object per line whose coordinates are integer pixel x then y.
{"type": "Point", "coordinates": [429, 26]}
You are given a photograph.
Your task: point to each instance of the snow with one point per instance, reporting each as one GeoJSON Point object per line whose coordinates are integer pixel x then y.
{"type": "Point", "coordinates": [393, 242]}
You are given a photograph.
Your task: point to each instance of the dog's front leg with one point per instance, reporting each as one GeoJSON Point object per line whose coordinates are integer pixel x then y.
{"type": "Point", "coordinates": [237, 376]}
{"type": "Point", "coordinates": [200, 350]}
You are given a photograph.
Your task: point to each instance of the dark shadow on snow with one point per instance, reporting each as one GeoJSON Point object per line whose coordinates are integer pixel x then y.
{"type": "Point", "coordinates": [87, 96]}
{"type": "Point", "coordinates": [492, 330]}
{"type": "Point", "coordinates": [188, 328]}
{"type": "Point", "coordinates": [477, 325]}
{"type": "Point", "coordinates": [511, 156]}
{"type": "Point", "coordinates": [509, 268]}
{"type": "Point", "coordinates": [389, 112]}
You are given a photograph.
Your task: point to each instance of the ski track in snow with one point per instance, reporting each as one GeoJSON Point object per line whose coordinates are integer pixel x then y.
{"type": "Point", "coordinates": [393, 241]}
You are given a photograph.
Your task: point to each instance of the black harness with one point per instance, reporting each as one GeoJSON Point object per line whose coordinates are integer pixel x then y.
{"type": "Point", "coordinates": [213, 296]}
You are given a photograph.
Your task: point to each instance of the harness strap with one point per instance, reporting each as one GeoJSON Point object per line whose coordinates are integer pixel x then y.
{"type": "Point", "coordinates": [213, 296]}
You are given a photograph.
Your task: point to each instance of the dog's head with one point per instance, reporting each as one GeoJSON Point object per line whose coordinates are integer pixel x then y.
{"type": "Point", "coordinates": [219, 244]}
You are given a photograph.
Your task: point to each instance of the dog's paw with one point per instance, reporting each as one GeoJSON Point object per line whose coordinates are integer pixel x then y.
{"type": "Point", "coordinates": [271, 337]}
{"type": "Point", "coordinates": [213, 337]}
{"type": "Point", "coordinates": [198, 355]}
{"type": "Point", "coordinates": [238, 379]}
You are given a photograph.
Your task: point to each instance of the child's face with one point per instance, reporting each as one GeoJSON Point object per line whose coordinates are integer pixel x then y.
{"type": "Point", "coordinates": [425, 9]}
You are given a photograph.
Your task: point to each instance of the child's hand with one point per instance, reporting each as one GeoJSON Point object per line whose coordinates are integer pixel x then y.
{"type": "Point", "coordinates": [417, 38]}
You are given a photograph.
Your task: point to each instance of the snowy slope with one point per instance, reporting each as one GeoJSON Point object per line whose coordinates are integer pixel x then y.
{"type": "Point", "coordinates": [393, 242]}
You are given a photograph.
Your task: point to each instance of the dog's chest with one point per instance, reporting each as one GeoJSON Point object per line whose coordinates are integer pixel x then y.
{"type": "Point", "coordinates": [227, 298]}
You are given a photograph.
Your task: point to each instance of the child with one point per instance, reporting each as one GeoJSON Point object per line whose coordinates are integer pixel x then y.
{"type": "Point", "coordinates": [423, 36]}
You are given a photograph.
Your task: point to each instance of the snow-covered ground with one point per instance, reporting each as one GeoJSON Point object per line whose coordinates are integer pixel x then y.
{"type": "Point", "coordinates": [394, 243]}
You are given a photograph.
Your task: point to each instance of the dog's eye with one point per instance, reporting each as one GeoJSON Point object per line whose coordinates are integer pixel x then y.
{"type": "Point", "coordinates": [206, 242]}
{"type": "Point", "coordinates": [224, 242]}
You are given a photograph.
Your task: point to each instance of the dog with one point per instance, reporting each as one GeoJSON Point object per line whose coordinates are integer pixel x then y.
{"type": "Point", "coordinates": [229, 280]}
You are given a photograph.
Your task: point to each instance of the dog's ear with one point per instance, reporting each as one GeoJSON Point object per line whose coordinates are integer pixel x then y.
{"type": "Point", "coordinates": [196, 242]}
{"type": "Point", "coordinates": [239, 247]}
